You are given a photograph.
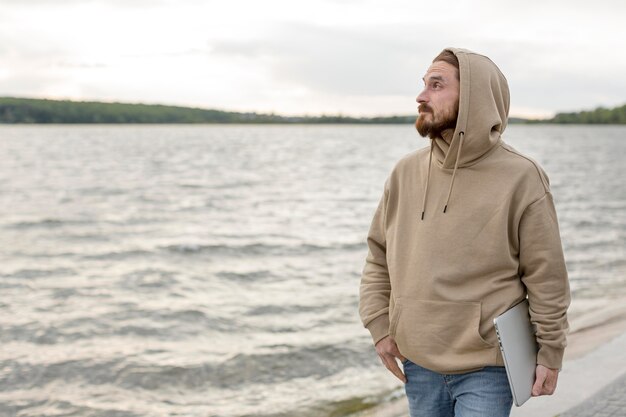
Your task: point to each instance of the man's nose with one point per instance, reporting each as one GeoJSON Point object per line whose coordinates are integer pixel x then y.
{"type": "Point", "coordinates": [422, 98]}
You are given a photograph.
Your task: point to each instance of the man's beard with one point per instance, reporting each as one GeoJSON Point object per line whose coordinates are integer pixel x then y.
{"type": "Point", "coordinates": [438, 123]}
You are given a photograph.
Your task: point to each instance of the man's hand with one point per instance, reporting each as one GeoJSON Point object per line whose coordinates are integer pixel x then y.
{"type": "Point", "coordinates": [545, 381]}
{"type": "Point", "coordinates": [388, 352]}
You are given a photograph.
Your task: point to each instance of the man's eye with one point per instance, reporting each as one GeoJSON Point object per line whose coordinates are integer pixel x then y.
{"type": "Point", "coordinates": [436, 85]}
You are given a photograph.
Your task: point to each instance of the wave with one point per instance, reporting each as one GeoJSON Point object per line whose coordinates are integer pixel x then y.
{"type": "Point", "coordinates": [277, 310]}
{"type": "Point", "coordinates": [117, 255]}
{"type": "Point", "coordinates": [48, 222]}
{"type": "Point", "coordinates": [245, 276]}
{"type": "Point", "coordinates": [261, 249]}
{"type": "Point", "coordinates": [159, 324]}
{"type": "Point", "coordinates": [287, 362]}
{"type": "Point", "coordinates": [51, 406]}
{"type": "Point", "coordinates": [149, 278]}
{"type": "Point", "coordinates": [34, 273]}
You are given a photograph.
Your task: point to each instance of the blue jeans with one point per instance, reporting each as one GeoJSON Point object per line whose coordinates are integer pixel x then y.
{"type": "Point", "coordinates": [481, 393]}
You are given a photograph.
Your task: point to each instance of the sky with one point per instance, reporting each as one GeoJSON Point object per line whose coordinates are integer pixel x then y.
{"type": "Point", "coordinates": [356, 58]}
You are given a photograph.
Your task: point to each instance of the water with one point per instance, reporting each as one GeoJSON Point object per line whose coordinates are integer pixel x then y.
{"type": "Point", "coordinates": [214, 270]}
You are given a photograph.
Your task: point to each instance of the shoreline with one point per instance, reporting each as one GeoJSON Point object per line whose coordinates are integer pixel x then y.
{"type": "Point", "coordinates": [594, 322]}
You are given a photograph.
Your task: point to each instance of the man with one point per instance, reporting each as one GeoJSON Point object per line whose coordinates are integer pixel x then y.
{"type": "Point", "coordinates": [465, 229]}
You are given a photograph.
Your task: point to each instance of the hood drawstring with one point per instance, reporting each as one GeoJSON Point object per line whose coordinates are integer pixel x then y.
{"type": "Point", "coordinates": [427, 178]}
{"type": "Point", "coordinates": [456, 164]}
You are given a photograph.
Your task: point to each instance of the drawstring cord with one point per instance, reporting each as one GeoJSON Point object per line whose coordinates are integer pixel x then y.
{"type": "Point", "coordinates": [427, 178]}
{"type": "Point", "coordinates": [456, 164]}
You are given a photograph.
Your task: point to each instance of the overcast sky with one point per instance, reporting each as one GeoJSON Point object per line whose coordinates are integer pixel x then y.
{"type": "Point", "coordinates": [358, 58]}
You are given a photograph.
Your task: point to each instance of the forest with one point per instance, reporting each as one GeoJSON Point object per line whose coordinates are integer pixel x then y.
{"type": "Point", "coordinates": [29, 110]}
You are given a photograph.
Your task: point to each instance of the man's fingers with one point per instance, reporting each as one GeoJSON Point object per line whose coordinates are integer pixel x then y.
{"type": "Point", "coordinates": [395, 369]}
{"type": "Point", "coordinates": [545, 381]}
{"type": "Point", "coordinates": [550, 384]}
{"type": "Point", "coordinates": [398, 355]}
{"type": "Point", "coordinates": [388, 352]}
{"type": "Point", "coordinates": [538, 385]}
{"type": "Point", "coordinates": [392, 365]}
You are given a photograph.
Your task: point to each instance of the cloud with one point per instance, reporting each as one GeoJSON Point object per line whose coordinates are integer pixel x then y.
{"type": "Point", "coordinates": [65, 3]}
{"type": "Point", "coordinates": [383, 61]}
{"type": "Point", "coordinates": [361, 57]}
{"type": "Point", "coordinates": [355, 61]}
{"type": "Point", "coordinates": [86, 65]}
{"type": "Point", "coordinates": [556, 76]}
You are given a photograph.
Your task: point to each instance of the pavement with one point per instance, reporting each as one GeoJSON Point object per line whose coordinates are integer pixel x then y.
{"type": "Point", "coordinates": [593, 385]}
{"type": "Point", "coordinates": [609, 402]}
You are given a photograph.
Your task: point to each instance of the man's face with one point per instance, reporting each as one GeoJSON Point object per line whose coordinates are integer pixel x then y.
{"type": "Point", "coordinates": [439, 101]}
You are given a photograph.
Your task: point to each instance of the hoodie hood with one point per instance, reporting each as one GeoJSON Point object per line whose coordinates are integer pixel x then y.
{"type": "Point", "coordinates": [483, 115]}
{"type": "Point", "coordinates": [483, 110]}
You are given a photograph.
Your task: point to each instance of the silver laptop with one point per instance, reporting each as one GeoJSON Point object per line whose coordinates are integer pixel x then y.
{"type": "Point", "coordinates": [518, 344]}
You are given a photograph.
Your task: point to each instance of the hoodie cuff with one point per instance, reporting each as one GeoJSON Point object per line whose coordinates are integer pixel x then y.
{"type": "Point", "coordinates": [550, 357]}
{"type": "Point", "coordinates": [379, 327]}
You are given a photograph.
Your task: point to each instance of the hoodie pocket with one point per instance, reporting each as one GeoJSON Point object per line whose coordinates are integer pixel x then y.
{"type": "Point", "coordinates": [442, 335]}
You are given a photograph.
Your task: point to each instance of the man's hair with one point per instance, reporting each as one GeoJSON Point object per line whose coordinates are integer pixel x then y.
{"type": "Point", "coordinates": [450, 58]}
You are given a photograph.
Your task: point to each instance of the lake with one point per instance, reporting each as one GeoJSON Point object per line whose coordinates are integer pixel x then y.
{"type": "Point", "coordinates": [213, 270]}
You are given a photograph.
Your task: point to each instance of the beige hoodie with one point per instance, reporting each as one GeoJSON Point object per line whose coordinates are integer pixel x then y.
{"type": "Point", "coordinates": [462, 233]}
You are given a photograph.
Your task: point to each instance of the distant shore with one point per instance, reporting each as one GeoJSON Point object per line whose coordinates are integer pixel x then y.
{"type": "Point", "coordinates": [14, 110]}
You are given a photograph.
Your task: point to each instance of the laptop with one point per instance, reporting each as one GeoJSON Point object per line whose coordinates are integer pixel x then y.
{"type": "Point", "coordinates": [518, 345]}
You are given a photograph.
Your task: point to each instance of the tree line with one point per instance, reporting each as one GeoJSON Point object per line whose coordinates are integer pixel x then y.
{"type": "Point", "coordinates": [27, 110]}
{"type": "Point", "coordinates": [600, 115]}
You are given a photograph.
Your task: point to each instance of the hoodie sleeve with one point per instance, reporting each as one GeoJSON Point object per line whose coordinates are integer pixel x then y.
{"type": "Point", "coordinates": [375, 287]}
{"type": "Point", "coordinates": [543, 272]}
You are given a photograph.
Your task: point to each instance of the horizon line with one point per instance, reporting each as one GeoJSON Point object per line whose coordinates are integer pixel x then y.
{"type": "Point", "coordinates": [272, 112]}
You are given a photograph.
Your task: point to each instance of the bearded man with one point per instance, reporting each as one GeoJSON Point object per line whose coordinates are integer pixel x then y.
{"type": "Point", "coordinates": [465, 229]}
